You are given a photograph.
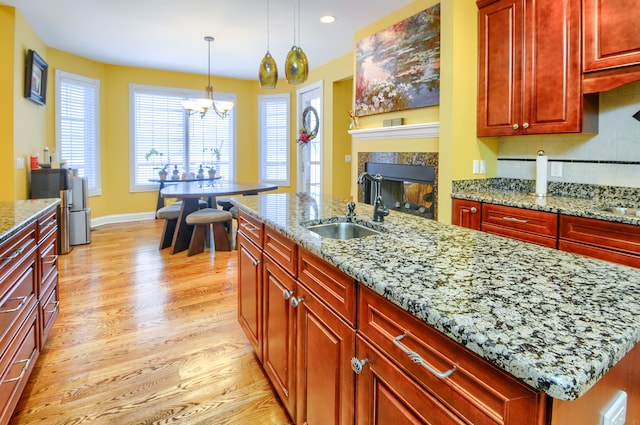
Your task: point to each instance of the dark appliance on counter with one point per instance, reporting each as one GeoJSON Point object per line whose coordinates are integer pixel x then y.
{"type": "Point", "coordinates": [55, 183]}
{"type": "Point", "coordinates": [80, 213]}
{"type": "Point", "coordinates": [406, 187]}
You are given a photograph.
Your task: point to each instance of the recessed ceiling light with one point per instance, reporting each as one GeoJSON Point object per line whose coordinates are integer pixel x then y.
{"type": "Point", "coordinates": [328, 19]}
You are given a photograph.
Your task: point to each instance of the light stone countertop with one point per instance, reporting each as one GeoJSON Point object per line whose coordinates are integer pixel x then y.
{"type": "Point", "coordinates": [15, 215]}
{"type": "Point", "coordinates": [555, 320]}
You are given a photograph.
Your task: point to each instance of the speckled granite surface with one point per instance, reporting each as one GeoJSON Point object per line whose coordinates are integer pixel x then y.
{"type": "Point", "coordinates": [15, 215]}
{"type": "Point", "coordinates": [555, 320]}
{"type": "Point", "coordinates": [564, 198]}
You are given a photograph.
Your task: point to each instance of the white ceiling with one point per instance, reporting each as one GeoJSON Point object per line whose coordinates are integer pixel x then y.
{"type": "Point", "coordinates": [169, 34]}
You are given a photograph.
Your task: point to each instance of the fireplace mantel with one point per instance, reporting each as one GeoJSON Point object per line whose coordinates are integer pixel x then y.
{"type": "Point", "coordinates": [409, 131]}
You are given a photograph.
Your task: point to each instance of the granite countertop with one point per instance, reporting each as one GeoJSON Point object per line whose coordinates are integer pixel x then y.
{"type": "Point", "coordinates": [555, 320]}
{"type": "Point", "coordinates": [15, 215]}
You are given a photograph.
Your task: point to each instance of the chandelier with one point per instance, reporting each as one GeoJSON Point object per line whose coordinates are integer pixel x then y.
{"type": "Point", "coordinates": [201, 106]}
{"type": "Point", "coordinates": [268, 71]}
{"type": "Point", "coordinates": [296, 65]}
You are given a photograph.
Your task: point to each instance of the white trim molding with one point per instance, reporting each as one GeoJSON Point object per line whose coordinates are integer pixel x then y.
{"type": "Point", "coordinates": [409, 131]}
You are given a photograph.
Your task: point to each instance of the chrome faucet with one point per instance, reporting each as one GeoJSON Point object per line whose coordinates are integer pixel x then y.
{"type": "Point", "coordinates": [351, 211]}
{"type": "Point", "coordinates": [380, 211]}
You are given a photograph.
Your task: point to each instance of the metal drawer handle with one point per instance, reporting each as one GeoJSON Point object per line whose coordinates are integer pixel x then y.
{"type": "Point", "coordinates": [358, 365]}
{"type": "Point", "coordinates": [54, 258]}
{"type": "Point", "coordinates": [295, 302]}
{"type": "Point", "coordinates": [16, 254]}
{"type": "Point", "coordinates": [23, 300]}
{"type": "Point", "coordinates": [56, 304]}
{"type": "Point", "coordinates": [249, 227]}
{"type": "Point", "coordinates": [515, 220]}
{"type": "Point", "coordinates": [24, 370]}
{"type": "Point", "coordinates": [415, 357]}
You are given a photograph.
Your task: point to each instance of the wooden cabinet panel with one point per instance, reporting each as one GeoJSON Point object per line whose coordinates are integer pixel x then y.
{"type": "Point", "coordinates": [387, 396]}
{"type": "Point", "coordinates": [252, 228]}
{"type": "Point", "coordinates": [537, 227]}
{"type": "Point", "coordinates": [325, 383]}
{"type": "Point", "coordinates": [476, 391]}
{"type": "Point", "coordinates": [335, 288]}
{"type": "Point", "coordinates": [530, 74]}
{"type": "Point", "coordinates": [605, 240]}
{"type": "Point", "coordinates": [48, 260]}
{"type": "Point", "coordinates": [466, 213]}
{"type": "Point", "coordinates": [611, 44]}
{"type": "Point", "coordinates": [279, 332]}
{"type": "Point", "coordinates": [250, 291]}
{"type": "Point", "coordinates": [283, 250]}
{"type": "Point", "coordinates": [49, 309]}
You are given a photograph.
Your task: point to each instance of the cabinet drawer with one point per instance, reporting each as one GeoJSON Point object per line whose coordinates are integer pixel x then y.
{"type": "Point", "coordinates": [49, 310]}
{"type": "Point", "coordinates": [476, 391]}
{"type": "Point", "coordinates": [17, 300]}
{"type": "Point", "coordinates": [251, 227]}
{"type": "Point", "coordinates": [48, 261]}
{"type": "Point", "coordinates": [527, 225]}
{"type": "Point", "coordinates": [601, 233]}
{"type": "Point", "coordinates": [332, 286]}
{"type": "Point", "coordinates": [16, 366]}
{"type": "Point", "coordinates": [14, 253]}
{"type": "Point", "coordinates": [47, 225]}
{"type": "Point", "coordinates": [282, 250]}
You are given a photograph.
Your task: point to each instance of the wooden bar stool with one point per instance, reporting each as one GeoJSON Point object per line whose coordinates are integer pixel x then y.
{"type": "Point", "coordinates": [201, 220]}
{"type": "Point", "coordinates": [170, 215]}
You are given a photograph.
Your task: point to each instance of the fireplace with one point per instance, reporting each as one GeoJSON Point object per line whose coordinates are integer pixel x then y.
{"type": "Point", "coordinates": [410, 181]}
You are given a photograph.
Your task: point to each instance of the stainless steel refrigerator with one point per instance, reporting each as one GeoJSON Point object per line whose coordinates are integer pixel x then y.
{"type": "Point", "coordinates": [55, 183]}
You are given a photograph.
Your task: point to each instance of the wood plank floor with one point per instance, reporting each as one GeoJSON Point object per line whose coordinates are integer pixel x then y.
{"type": "Point", "coordinates": [144, 337]}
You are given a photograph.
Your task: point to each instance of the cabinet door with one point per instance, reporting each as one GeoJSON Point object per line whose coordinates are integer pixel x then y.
{"type": "Point", "coordinates": [250, 291]}
{"type": "Point", "coordinates": [500, 67]}
{"type": "Point", "coordinates": [386, 396]}
{"type": "Point", "coordinates": [611, 36]}
{"type": "Point", "coordinates": [279, 332]}
{"type": "Point", "coordinates": [324, 380]}
{"type": "Point", "coordinates": [466, 213]}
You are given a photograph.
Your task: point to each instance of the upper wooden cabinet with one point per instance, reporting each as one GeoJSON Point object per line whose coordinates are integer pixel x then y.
{"type": "Point", "coordinates": [611, 44]}
{"type": "Point", "coordinates": [530, 73]}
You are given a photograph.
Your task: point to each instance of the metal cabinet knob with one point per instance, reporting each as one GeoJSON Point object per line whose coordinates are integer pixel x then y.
{"type": "Point", "coordinates": [287, 294]}
{"type": "Point", "coordinates": [357, 365]}
{"type": "Point", "coordinates": [516, 126]}
{"type": "Point", "coordinates": [295, 302]}
{"type": "Point", "coordinates": [525, 125]}
{"type": "Point", "coordinates": [473, 210]}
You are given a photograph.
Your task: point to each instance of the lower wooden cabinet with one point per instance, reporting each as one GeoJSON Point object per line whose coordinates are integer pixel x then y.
{"type": "Point", "coordinates": [466, 213]}
{"type": "Point", "coordinates": [531, 226]}
{"type": "Point", "coordinates": [250, 291]}
{"type": "Point", "coordinates": [325, 381]}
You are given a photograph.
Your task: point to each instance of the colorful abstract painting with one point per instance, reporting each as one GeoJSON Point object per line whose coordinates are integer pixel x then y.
{"type": "Point", "coordinates": [399, 68]}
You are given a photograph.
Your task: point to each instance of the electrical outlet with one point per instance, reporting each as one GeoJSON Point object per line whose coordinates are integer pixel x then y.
{"type": "Point", "coordinates": [347, 158]}
{"type": "Point", "coordinates": [556, 169]}
{"type": "Point", "coordinates": [616, 411]}
{"type": "Point", "coordinates": [483, 166]}
{"type": "Point", "coordinates": [476, 166]}
{"type": "Point", "coordinates": [19, 163]}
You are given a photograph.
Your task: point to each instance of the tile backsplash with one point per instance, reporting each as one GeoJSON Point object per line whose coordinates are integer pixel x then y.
{"type": "Point", "coordinates": [612, 157]}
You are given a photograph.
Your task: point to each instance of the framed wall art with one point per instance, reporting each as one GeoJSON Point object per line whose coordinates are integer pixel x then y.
{"type": "Point", "coordinates": [398, 68]}
{"type": "Point", "coordinates": [35, 79]}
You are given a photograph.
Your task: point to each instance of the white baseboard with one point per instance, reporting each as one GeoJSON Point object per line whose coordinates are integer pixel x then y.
{"type": "Point", "coordinates": [122, 218]}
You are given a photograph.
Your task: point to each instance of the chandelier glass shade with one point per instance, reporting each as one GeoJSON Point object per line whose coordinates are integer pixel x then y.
{"type": "Point", "coordinates": [296, 66]}
{"type": "Point", "coordinates": [203, 105]}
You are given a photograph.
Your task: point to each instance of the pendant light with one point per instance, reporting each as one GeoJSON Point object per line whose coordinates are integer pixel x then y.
{"type": "Point", "coordinates": [296, 65]}
{"type": "Point", "coordinates": [268, 72]}
{"type": "Point", "coordinates": [201, 106]}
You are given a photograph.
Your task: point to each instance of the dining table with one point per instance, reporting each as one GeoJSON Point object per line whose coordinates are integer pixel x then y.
{"type": "Point", "coordinates": [190, 192]}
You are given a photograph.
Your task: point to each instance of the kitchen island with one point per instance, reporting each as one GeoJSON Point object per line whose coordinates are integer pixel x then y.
{"type": "Point", "coordinates": [556, 321]}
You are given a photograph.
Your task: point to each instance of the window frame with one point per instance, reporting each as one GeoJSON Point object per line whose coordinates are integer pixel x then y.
{"type": "Point", "coordinates": [94, 85]}
{"type": "Point", "coordinates": [263, 101]}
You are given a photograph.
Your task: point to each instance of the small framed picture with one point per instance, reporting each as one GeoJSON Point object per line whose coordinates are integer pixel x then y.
{"type": "Point", "coordinates": [35, 79]}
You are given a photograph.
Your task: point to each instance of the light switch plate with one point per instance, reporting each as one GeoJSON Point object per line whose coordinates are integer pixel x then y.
{"type": "Point", "coordinates": [19, 163]}
{"type": "Point", "coordinates": [556, 169]}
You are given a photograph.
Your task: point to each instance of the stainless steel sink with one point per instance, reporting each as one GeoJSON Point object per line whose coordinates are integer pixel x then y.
{"type": "Point", "coordinates": [342, 230]}
{"type": "Point", "coordinates": [620, 210]}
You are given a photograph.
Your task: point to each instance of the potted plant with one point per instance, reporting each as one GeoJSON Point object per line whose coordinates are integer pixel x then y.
{"type": "Point", "coordinates": [212, 172]}
{"type": "Point", "coordinates": [163, 173]}
{"type": "Point", "coordinates": [152, 155]}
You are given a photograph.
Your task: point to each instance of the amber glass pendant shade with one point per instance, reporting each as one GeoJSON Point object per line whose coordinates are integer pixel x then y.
{"type": "Point", "coordinates": [296, 66]}
{"type": "Point", "coordinates": [268, 72]}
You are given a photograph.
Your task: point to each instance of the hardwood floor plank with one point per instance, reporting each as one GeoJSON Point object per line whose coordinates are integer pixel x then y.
{"type": "Point", "coordinates": [145, 337]}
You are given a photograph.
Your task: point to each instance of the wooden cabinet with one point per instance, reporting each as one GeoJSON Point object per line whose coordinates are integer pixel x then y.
{"type": "Point", "coordinates": [279, 321]}
{"type": "Point", "coordinates": [532, 226]}
{"type": "Point", "coordinates": [250, 280]}
{"type": "Point", "coordinates": [394, 387]}
{"type": "Point", "coordinates": [605, 240]}
{"type": "Point", "coordinates": [611, 44]}
{"type": "Point", "coordinates": [48, 274]}
{"type": "Point", "coordinates": [529, 71]}
{"type": "Point", "coordinates": [465, 213]}
{"type": "Point", "coordinates": [325, 381]}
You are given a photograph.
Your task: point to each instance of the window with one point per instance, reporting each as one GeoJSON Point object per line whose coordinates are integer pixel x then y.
{"type": "Point", "coordinates": [274, 138]}
{"type": "Point", "coordinates": [77, 126]}
{"type": "Point", "coordinates": [163, 135]}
